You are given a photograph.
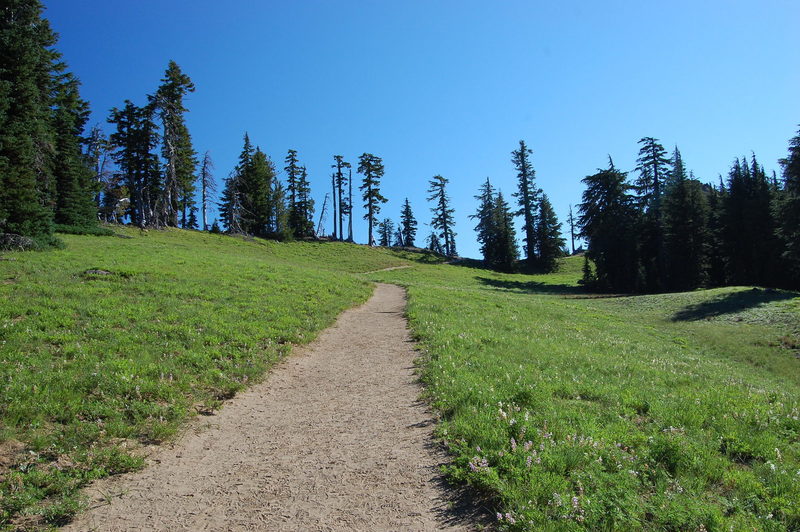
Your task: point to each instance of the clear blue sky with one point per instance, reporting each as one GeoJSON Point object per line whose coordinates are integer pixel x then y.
{"type": "Point", "coordinates": [450, 87]}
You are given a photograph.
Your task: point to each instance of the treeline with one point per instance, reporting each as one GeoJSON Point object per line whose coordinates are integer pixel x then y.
{"type": "Point", "coordinates": [667, 231]}
{"type": "Point", "coordinates": [46, 173]}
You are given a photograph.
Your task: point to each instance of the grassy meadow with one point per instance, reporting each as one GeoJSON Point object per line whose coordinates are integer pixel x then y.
{"type": "Point", "coordinates": [113, 342]}
{"type": "Point", "coordinates": [571, 411]}
{"type": "Point", "coordinates": [565, 410]}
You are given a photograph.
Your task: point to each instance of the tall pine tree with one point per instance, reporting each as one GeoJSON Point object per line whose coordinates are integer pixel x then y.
{"type": "Point", "coordinates": [527, 198]}
{"type": "Point", "coordinates": [180, 159]}
{"type": "Point", "coordinates": [371, 167]}
{"type": "Point", "coordinates": [653, 169]}
{"type": "Point", "coordinates": [686, 219]}
{"type": "Point", "coordinates": [26, 62]}
{"type": "Point", "coordinates": [609, 222]}
{"type": "Point", "coordinates": [75, 184]}
{"type": "Point", "coordinates": [787, 211]}
{"type": "Point", "coordinates": [548, 236]}
{"type": "Point", "coordinates": [133, 143]}
{"type": "Point", "coordinates": [442, 221]}
{"type": "Point", "coordinates": [408, 225]}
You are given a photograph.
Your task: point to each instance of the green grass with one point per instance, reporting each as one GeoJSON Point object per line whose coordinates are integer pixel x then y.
{"type": "Point", "coordinates": [113, 342]}
{"type": "Point", "coordinates": [571, 412]}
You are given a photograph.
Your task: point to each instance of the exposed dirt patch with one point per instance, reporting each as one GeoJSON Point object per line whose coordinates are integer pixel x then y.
{"type": "Point", "coordinates": [334, 439]}
{"type": "Point", "coordinates": [10, 453]}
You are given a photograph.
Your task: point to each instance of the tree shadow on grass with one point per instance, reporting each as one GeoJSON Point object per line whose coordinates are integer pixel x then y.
{"type": "Point", "coordinates": [530, 287]}
{"type": "Point", "coordinates": [731, 303]}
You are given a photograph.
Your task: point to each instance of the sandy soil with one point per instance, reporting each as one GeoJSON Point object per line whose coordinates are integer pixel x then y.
{"type": "Point", "coordinates": [334, 439]}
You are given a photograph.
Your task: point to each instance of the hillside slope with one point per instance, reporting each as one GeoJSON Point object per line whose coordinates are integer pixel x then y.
{"type": "Point", "coordinates": [113, 342]}
{"type": "Point", "coordinates": [577, 411]}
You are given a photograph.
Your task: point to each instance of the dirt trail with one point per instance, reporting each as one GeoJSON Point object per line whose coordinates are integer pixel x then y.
{"type": "Point", "coordinates": [334, 439]}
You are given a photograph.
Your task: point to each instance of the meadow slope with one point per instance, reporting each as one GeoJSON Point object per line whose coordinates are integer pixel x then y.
{"type": "Point", "coordinates": [568, 411]}
{"type": "Point", "coordinates": [113, 342]}
{"type": "Point", "coordinates": [571, 411]}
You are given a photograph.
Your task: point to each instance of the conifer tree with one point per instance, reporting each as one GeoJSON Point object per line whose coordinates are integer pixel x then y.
{"type": "Point", "coordinates": [341, 204]}
{"type": "Point", "coordinates": [751, 249]}
{"type": "Point", "coordinates": [527, 198]}
{"type": "Point", "coordinates": [442, 213]}
{"type": "Point", "coordinates": [180, 159]}
{"type": "Point", "coordinates": [305, 206]}
{"type": "Point", "coordinates": [715, 196]}
{"type": "Point", "coordinates": [685, 215]}
{"type": "Point", "coordinates": [133, 143]}
{"type": "Point", "coordinates": [75, 185]}
{"type": "Point", "coordinates": [433, 243]}
{"type": "Point", "coordinates": [385, 232]}
{"type": "Point", "coordinates": [506, 251]}
{"type": "Point", "coordinates": [256, 184]}
{"type": "Point", "coordinates": [97, 154]}
{"type": "Point", "coordinates": [548, 236]}
{"type": "Point", "coordinates": [571, 221]}
{"type": "Point", "coordinates": [26, 61]}
{"type": "Point", "coordinates": [371, 167]}
{"type": "Point", "coordinates": [208, 186]}
{"type": "Point", "coordinates": [653, 169]}
{"type": "Point", "coordinates": [408, 225]}
{"type": "Point", "coordinates": [398, 237]}
{"type": "Point", "coordinates": [609, 220]}
{"type": "Point", "coordinates": [486, 229]}
{"type": "Point", "coordinates": [349, 203]}
{"type": "Point", "coordinates": [788, 213]}
{"type": "Point", "coordinates": [292, 169]}
{"type": "Point", "coordinates": [230, 207]}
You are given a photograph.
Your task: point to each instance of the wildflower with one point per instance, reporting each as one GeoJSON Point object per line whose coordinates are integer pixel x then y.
{"type": "Point", "coordinates": [513, 445]}
{"type": "Point", "coordinates": [510, 519]}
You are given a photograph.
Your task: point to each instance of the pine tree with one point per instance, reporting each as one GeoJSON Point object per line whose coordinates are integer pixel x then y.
{"type": "Point", "coordinates": [133, 143]}
{"type": "Point", "coordinates": [787, 210]}
{"type": "Point", "coordinates": [208, 186]}
{"type": "Point", "coordinates": [26, 62]}
{"type": "Point", "coordinates": [486, 229]}
{"type": "Point", "coordinates": [292, 169]}
{"type": "Point", "coordinates": [571, 221]}
{"type": "Point", "coordinates": [335, 202]}
{"type": "Point", "coordinates": [231, 204]}
{"type": "Point", "coordinates": [408, 225]}
{"type": "Point", "coordinates": [433, 243]}
{"type": "Point", "coordinates": [715, 197]}
{"type": "Point", "coordinates": [750, 246]}
{"type": "Point", "coordinates": [608, 221]}
{"type": "Point", "coordinates": [653, 169]}
{"type": "Point", "coordinates": [548, 236]}
{"type": "Point", "coordinates": [304, 208]}
{"type": "Point", "coordinates": [506, 252]}
{"type": "Point", "coordinates": [385, 232]}
{"type": "Point", "coordinates": [255, 186]}
{"type": "Point", "coordinates": [349, 203]}
{"type": "Point", "coordinates": [180, 159]}
{"type": "Point", "coordinates": [527, 198]}
{"type": "Point", "coordinates": [398, 237]}
{"type": "Point", "coordinates": [371, 167]}
{"type": "Point", "coordinates": [686, 219]}
{"type": "Point", "coordinates": [75, 185]}
{"type": "Point", "coordinates": [340, 204]}
{"type": "Point", "coordinates": [97, 154]}
{"type": "Point", "coordinates": [442, 213]}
